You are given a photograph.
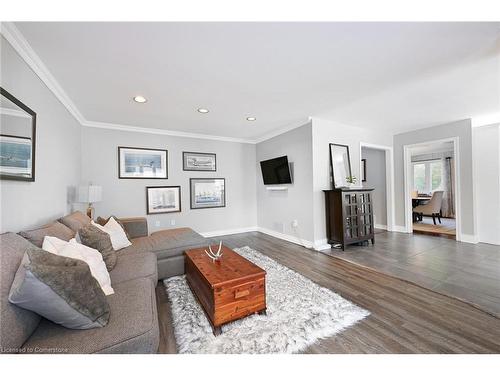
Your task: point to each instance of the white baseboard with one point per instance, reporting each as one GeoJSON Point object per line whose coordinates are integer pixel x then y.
{"type": "Point", "coordinates": [399, 228]}
{"type": "Point", "coordinates": [282, 236]}
{"type": "Point", "coordinates": [380, 226]}
{"type": "Point", "coordinates": [322, 245]}
{"type": "Point", "coordinates": [490, 242]}
{"type": "Point", "coordinates": [226, 232]}
{"type": "Point", "coordinates": [469, 238]}
{"type": "Point", "coordinates": [286, 237]}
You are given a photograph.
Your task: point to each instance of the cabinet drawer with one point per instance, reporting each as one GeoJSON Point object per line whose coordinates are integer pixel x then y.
{"type": "Point", "coordinates": [239, 292]}
{"type": "Point", "coordinates": [235, 301]}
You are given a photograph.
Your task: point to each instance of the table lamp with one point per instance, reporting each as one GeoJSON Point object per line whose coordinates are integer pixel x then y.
{"type": "Point", "coordinates": [90, 194]}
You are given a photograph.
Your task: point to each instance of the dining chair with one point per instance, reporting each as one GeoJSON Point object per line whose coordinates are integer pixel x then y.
{"type": "Point", "coordinates": [431, 208]}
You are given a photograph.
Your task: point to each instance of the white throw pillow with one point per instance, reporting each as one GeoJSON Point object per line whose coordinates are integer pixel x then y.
{"type": "Point", "coordinates": [75, 250]}
{"type": "Point", "coordinates": [118, 236]}
{"type": "Point", "coordinates": [53, 244]}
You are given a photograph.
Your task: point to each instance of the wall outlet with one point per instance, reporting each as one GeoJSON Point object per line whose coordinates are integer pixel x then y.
{"type": "Point", "coordinates": [279, 227]}
{"type": "Point", "coordinates": [157, 223]}
{"type": "Point", "coordinates": [295, 223]}
{"type": "Point", "coordinates": [172, 222]}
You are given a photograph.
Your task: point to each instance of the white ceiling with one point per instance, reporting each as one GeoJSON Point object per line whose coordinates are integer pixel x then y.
{"type": "Point", "coordinates": [388, 76]}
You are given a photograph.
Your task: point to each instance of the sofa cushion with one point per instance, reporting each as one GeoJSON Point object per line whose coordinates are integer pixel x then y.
{"type": "Point", "coordinates": [60, 289]}
{"type": "Point", "coordinates": [16, 323]}
{"type": "Point", "coordinates": [132, 327]}
{"type": "Point", "coordinates": [95, 238]}
{"type": "Point", "coordinates": [166, 243]}
{"type": "Point", "coordinates": [139, 245]}
{"type": "Point", "coordinates": [75, 221]}
{"type": "Point", "coordinates": [173, 242]}
{"type": "Point", "coordinates": [55, 229]}
{"type": "Point", "coordinates": [134, 266]}
{"type": "Point", "coordinates": [135, 226]}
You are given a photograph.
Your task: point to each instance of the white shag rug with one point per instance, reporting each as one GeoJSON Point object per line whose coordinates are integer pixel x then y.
{"type": "Point", "coordinates": [299, 312]}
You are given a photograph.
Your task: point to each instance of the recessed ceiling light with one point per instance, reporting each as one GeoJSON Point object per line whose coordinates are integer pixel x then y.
{"type": "Point", "coordinates": [251, 118]}
{"type": "Point", "coordinates": [203, 110]}
{"type": "Point", "coordinates": [140, 99]}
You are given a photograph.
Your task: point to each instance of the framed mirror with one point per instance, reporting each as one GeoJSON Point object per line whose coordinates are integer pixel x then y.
{"type": "Point", "coordinates": [340, 164]}
{"type": "Point", "coordinates": [17, 139]}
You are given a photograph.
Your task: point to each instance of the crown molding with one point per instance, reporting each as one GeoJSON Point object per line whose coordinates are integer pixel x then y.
{"type": "Point", "coordinates": [15, 38]}
{"type": "Point", "coordinates": [173, 133]}
{"type": "Point", "coordinates": [22, 47]}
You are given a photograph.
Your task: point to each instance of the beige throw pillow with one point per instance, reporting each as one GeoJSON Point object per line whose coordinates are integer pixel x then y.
{"type": "Point", "coordinates": [116, 233]}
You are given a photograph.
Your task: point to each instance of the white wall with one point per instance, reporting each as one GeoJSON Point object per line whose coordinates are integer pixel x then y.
{"type": "Point", "coordinates": [277, 209]}
{"type": "Point", "coordinates": [121, 197]}
{"type": "Point", "coordinates": [461, 129]}
{"type": "Point", "coordinates": [325, 132]}
{"type": "Point", "coordinates": [57, 163]}
{"type": "Point", "coordinates": [487, 182]}
{"type": "Point", "coordinates": [376, 179]}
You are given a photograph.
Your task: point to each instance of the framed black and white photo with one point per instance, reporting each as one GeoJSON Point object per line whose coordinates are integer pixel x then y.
{"type": "Point", "coordinates": [163, 199]}
{"type": "Point", "coordinates": [17, 139]}
{"type": "Point", "coordinates": [199, 161]}
{"type": "Point", "coordinates": [135, 162]}
{"type": "Point", "coordinates": [363, 170]}
{"type": "Point", "coordinates": [207, 192]}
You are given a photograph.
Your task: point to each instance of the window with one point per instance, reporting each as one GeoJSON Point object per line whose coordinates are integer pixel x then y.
{"type": "Point", "coordinates": [427, 176]}
{"type": "Point", "coordinates": [419, 177]}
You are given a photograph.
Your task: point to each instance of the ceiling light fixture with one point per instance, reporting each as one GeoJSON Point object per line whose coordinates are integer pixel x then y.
{"type": "Point", "coordinates": [140, 99]}
{"type": "Point", "coordinates": [251, 118]}
{"type": "Point", "coordinates": [203, 110]}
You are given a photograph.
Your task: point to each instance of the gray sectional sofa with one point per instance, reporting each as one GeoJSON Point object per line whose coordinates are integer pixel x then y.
{"type": "Point", "coordinates": [133, 324]}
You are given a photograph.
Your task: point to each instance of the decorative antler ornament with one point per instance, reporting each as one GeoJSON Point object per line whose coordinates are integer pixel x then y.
{"type": "Point", "coordinates": [214, 256]}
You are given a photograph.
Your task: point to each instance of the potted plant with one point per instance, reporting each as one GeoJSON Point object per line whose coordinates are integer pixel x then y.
{"type": "Point", "coordinates": [351, 180]}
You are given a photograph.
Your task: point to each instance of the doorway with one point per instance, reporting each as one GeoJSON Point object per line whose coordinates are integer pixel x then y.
{"type": "Point", "coordinates": [377, 171]}
{"type": "Point", "coordinates": [431, 188]}
{"type": "Point", "coordinates": [374, 175]}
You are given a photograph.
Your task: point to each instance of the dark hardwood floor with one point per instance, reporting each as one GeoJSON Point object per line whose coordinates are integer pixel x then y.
{"type": "Point", "coordinates": [405, 318]}
{"type": "Point", "coordinates": [461, 270]}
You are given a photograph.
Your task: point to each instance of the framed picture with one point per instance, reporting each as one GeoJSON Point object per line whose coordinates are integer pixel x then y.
{"type": "Point", "coordinates": [207, 192]}
{"type": "Point", "coordinates": [15, 156]}
{"type": "Point", "coordinates": [163, 199]}
{"type": "Point", "coordinates": [199, 161]}
{"type": "Point", "coordinates": [135, 162]}
{"type": "Point", "coordinates": [17, 139]}
{"type": "Point", "coordinates": [340, 164]}
{"type": "Point", "coordinates": [363, 170]}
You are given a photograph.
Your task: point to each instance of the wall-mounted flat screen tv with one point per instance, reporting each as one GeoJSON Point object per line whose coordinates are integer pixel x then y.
{"type": "Point", "coordinates": [276, 171]}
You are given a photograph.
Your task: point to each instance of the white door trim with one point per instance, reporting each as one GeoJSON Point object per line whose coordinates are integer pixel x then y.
{"type": "Point", "coordinates": [408, 187]}
{"type": "Point", "coordinates": [389, 179]}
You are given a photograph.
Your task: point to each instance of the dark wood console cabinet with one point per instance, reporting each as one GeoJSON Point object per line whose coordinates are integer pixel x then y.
{"type": "Point", "coordinates": [349, 216]}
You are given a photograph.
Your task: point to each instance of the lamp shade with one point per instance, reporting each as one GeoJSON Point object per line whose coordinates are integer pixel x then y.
{"type": "Point", "coordinates": [89, 194]}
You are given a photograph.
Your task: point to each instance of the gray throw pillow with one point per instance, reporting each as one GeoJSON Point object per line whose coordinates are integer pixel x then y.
{"type": "Point", "coordinates": [95, 238]}
{"type": "Point", "coordinates": [75, 220]}
{"type": "Point", "coordinates": [54, 229]}
{"type": "Point", "coordinates": [60, 289]}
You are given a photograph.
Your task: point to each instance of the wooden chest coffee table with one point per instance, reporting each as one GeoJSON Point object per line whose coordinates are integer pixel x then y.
{"type": "Point", "coordinates": [228, 289]}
